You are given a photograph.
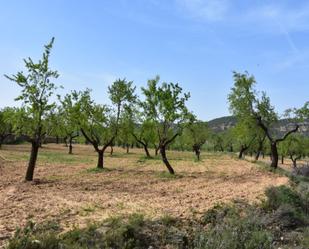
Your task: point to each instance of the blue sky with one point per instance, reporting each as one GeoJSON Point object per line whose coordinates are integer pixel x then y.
{"type": "Point", "coordinates": [197, 43]}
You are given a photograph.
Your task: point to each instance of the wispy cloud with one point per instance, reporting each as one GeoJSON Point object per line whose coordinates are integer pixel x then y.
{"type": "Point", "coordinates": [209, 10]}
{"type": "Point", "coordinates": [293, 17]}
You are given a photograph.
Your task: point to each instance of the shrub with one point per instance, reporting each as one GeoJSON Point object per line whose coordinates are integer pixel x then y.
{"type": "Point", "coordinates": [286, 217]}
{"type": "Point", "coordinates": [35, 237]}
{"type": "Point", "coordinates": [277, 196]}
{"type": "Point", "coordinates": [229, 227]}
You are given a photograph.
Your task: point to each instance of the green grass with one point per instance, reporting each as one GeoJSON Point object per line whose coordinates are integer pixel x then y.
{"type": "Point", "coordinates": [167, 176]}
{"type": "Point", "coordinates": [96, 170]}
{"type": "Point", "coordinates": [51, 157]}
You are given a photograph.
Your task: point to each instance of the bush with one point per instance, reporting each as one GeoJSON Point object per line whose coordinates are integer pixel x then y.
{"type": "Point", "coordinates": [286, 217]}
{"type": "Point", "coordinates": [302, 170]}
{"type": "Point", "coordinates": [35, 237]}
{"type": "Point", "coordinates": [230, 227]}
{"type": "Point", "coordinates": [277, 196]}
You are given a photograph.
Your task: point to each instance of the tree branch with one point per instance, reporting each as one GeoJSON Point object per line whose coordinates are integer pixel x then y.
{"type": "Point", "coordinates": [288, 133]}
{"type": "Point", "coordinates": [171, 140]}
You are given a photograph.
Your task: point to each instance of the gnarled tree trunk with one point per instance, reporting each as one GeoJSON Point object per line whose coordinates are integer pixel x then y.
{"type": "Point", "coordinates": [100, 164]}
{"type": "Point", "coordinates": [274, 155]}
{"type": "Point", "coordinates": [243, 148]}
{"type": "Point", "coordinates": [32, 161]}
{"type": "Point", "coordinates": [144, 144]}
{"type": "Point", "coordinates": [70, 147]}
{"type": "Point", "coordinates": [197, 150]}
{"type": "Point", "coordinates": [164, 159]}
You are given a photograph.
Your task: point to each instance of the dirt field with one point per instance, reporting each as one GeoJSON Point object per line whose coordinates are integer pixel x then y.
{"type": "Point", "coordinates": [72, 192]}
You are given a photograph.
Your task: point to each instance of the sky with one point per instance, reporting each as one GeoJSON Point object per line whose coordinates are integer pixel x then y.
{"type": "Point", "coordinates": [196, 43]}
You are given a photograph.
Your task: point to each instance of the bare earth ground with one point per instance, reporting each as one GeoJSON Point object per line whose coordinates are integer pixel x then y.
{"type": "Point", "coordinates": [71, 192]}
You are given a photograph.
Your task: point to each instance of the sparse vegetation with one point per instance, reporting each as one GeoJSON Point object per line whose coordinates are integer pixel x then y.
{"type": "Point", "coordinates": [218, 202]}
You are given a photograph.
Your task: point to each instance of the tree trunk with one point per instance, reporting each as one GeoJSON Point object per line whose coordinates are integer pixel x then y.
{"type": "Point", "coordinates": [32, 161]}
{"type": "Point", "coordinates": [157, 150]}
{"type": "Point", "coordinates": [112, 150]}
{"type": "Point", "coordinates": [241, 152]}
{"type": "Point", "coordinates": [294, 160]}
{"type": "Point", "coordinates": [166, 162]}
{"type": "Point", "coordinates": [221, 148]}
{"type": "Point", "coordinates": [65, 141]}
{"type": "Point", "coordinates": [57, 139]}
{"type": "Point", "coordinates": [257, 155]}
{"type": "Point", "coordinates": [197, 151]}
{"type": "Point", "coordinates": [2, 138]}
{"type": "Point", "coordinates": [231, 148]}
{"type": "Point", "coordinates": [146, 150]}
{"type": "Point", "coordinates": [100, 159]}
{"type": "Point", "coordinates": [274, 155]}
{"type": "Point", "coordinates": [128, 148]}
{"type": "Point", "coordinates": [70, 147]}
{"type": "Point", "coordinates": [282, 159]}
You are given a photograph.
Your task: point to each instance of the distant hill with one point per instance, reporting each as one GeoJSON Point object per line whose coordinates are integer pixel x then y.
{"type": "Point", "coordinates": [222, 124]}
{"type": "Point", "coordinates": [284, 125]}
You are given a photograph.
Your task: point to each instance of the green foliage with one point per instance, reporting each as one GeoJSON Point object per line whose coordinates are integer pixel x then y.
{"type": "Point", "coordinates": [196, 133]}
{"type": "Point", "coordinates": [166, 107]}
{"type": "Point", "coordinates": [95, 121]}
{"type": "Point", "coordinates": [6, 124]}
{"type": "Point", "coordinates": [100, 124]}
{"type": "Point", "coordinates": [233, 227]}
{"type": "Point", "coordinates": [127, 126]}
{"type": "Point", "coordinates": [144, 130]}
{"type": "Point", "coordinates": [36, 237]}
{"type": "Point", "coordinates": [277, 196]}
{"type": "Point", "coordinates": [36, 91]}
{"type": "Point", "coordinates": [67, 118]}
{"type": "Point", "coordinates": [295, 146]}
{"type": "Point", "coordinates": [303, 112]}
{"type": "Point", "coordinates": [244, 133]}
{"type": "Point", "coordinates": [245, 102]}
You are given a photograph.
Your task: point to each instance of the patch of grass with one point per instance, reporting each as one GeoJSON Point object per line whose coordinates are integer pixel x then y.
{"type": "Point", "coordinates": [144, 159]}
{"type": "Point", "coordinates": [56, 157]}
{"type": "Point", "coordinates": [168, 220]}
{"type": "Point", "coordinates": [96, 170]}
{"type": "Point", "coordinates": [167, 176]}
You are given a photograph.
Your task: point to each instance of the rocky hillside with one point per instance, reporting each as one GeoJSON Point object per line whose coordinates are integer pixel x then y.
{"type": "Point", "coordinates": [284, 125]}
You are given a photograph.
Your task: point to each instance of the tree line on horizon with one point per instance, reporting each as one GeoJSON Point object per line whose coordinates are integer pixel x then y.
{"type": "Point", "coordinates": [161, 120]}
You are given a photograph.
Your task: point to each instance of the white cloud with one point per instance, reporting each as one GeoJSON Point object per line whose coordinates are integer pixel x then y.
{"type": "Point", "coordinates": [292, 18]}
{"type": "Point", "coordinates": [208, 10]}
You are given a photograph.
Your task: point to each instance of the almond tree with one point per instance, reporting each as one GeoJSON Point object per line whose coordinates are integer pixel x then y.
{"type": "Point", "coordinates": [100, 124]}
{"type": "Point", "coordinates": [244, 134]}
{"type": "Point", "coordinates": [95, 122]}
{"type": "Point", "coordinates": [196, 133]}
{"type": "Point", "coordinates": [245, 103]}
{"type": "Point", "coordinates": [165, 106]}
{"type": "Point", "coordinates": [295, 148]}
{"type": "Point", "coordinates": [144, 132]}
{"type": "Point", "coordinates": [68, 126]}
{"type": "Point", "coordinates": [126, 128]}
{"type": "Point", "coordinates": [37, 90]}
{"type": "Point", "coordinates": [5, 124]}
